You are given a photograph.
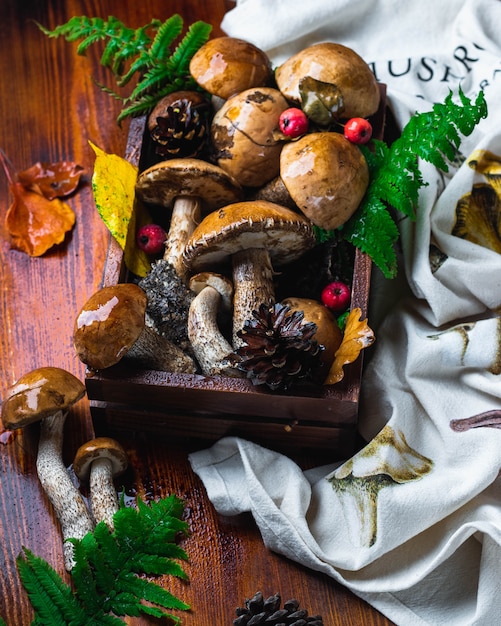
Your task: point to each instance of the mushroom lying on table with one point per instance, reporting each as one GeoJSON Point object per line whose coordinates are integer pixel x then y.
{"type": "Point", "coordinates": [189, 188]}
{"type": "Point", "coordinates": [252, 235]}
{"type": "Point", "coordinates": [45, 395]}
{"type": "Point", "coordinates": [99, 462]}
{"type": "Point", "coordinates": [111, 326]}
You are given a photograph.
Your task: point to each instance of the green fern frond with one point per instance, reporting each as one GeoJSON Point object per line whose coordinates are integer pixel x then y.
{"type": "Point", "coordinates": [395, 178]}
{"type": "Point", "coordinates": [144, 53]}
{"type": "Point", "coordinates": [108, 576]}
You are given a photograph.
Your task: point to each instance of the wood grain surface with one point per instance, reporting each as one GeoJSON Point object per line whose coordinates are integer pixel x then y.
{"type": "Point", "coordinates": [50, 107]}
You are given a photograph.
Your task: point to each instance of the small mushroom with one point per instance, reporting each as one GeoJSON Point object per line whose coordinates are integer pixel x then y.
{"type": "Point", "coordinates": [243, 134]}
{"type": "Point", "coordinates": [387, 461]}
{"type": "Point", "coordinates": [45, 395]}
{"type": "Point", "coordinates": [185, 185]}
{"type": "Point", "coordinates": [328, 333]}
{"type": "Point", "coordinates": [99, 462]}
{"type": "Point", "coordinates": [210, 346]}
{"type": "Point", "coordinates": [252, 235]}
{"type": "Point", "coordinates": [225, 66]}
{"type": "Point", "coordinates": [326, 176]}
{"type": "Point", "coordinates": [332, 64]}
{"type": "Point", "coordinates": [111, 326]}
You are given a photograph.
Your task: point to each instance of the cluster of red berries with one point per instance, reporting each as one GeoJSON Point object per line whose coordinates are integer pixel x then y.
{"type": "Point", "coordinates": [293, 123]}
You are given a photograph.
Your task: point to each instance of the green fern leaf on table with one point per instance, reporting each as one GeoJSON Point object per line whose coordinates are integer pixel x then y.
{"type": "Point", "coordinates": [113, 570]}
{"type": "Point", "coordinates": [148, 53]}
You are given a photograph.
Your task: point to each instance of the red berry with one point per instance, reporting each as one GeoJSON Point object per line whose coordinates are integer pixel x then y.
{"type": "Point", "coordinates": [336, 296]}
{"type": "Point", "coordinates": [293, 122]}
{"type": "Point", "coordinates": [151, 238]}
{"type": "Point", "coordinates": [358, 130]}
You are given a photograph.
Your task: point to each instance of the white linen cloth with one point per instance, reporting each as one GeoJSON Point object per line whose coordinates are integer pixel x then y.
{"type": "Point", "coordinates": [412, 523]}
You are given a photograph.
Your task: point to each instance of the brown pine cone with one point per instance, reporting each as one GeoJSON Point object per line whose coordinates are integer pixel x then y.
{"type": "Point", "coordinates": [279, 347]}
{"type": "Point", "coordinates": [258, 611]}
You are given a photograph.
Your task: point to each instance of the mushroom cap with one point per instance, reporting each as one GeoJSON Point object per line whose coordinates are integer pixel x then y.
{"type": "Point", "coordinates": [328, 332]}
{"type": "Point", "coordinates": [163, 182]}
{"type": "Point", "coordinates": [335, 64]}
{"type": "Point", "coordinates": [39, 394]}
{"type": "Point", "coordinates": [220, 283]}
{"type": "Point", "coordinates": [109, 324]}
{"type": "Point", "coordinates": [100, 448]}
{"type": "Point", "coordinates": [225, 66]}
{"type": "Point", "coordinates": [244, 225]}
{"type": "Point", "coordinates": [243, 135]}
{"type": "Point", "coordinates": [326, 176]}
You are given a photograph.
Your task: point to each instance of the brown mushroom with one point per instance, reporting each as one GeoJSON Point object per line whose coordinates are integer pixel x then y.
{"type": "Point", "coordinates": [326, 176]}
{"type": "Point", "coordinates": [99, 462]}
{"type": "Point", "coordinates": [111, 326]}
{"type": "Point", "coordinates": [225, 66]}
{"type": "Point", "coordinates": [328, 333]}
{"type": "Point", "coordinates": [45, 395]}
{"type": "Point", "coordinates": [184, 185]}
{"type": "Point", "coordinates": [252, 235]}
{"type": "Point", "coordinates": [243, 134]}
{"type": "Point", "coordinates": [337, 65]}
{"type": "Point", "coordinates": [210, 346]}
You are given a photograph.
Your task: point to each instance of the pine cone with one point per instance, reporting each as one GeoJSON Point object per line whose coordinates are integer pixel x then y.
{"type": "Point", "coordinates": [258, 611]}
{"type": "Point", "coordinates": [279, 347]}
{"type": "Point", "coordinates": [178, 125]}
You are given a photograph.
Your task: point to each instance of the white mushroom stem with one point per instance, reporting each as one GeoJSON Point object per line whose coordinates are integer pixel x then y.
{"type": "Point", "coordinates": [186, 215]}
{"type": "Point", "coordinates": [103, 496]}
{"type": "Point", "coordinates": [68, 503]}
{"type": "Point", "coordinates": [209, 345]}
{"type": "Point", "coordinates": [253, 284]}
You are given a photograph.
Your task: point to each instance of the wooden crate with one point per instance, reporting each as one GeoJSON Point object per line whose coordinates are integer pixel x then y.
{"type": "Point", "coordinates": [173, 405]}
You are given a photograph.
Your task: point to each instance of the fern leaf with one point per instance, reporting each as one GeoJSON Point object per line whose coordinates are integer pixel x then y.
{"type": "Point", "coordinates": [51, 598]}
{"type": "Point", "coordinates": [198, 33]}
{"type": "Point", "coordinates": [167, 33]}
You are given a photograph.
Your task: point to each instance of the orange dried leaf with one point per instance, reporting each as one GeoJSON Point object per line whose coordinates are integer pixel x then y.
{"type": "Point", "coordinates": [52, 180]}
{"type": "Point", "coordinates": [35, 224]}
{"type": "Point", "coordinates": [357, 336]}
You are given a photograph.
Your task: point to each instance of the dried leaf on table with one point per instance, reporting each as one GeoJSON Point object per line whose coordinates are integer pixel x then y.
{"type": "Point", "coordinates": [357, 336]}
{"type": "Point", "coordinates": [52, 180]}
{"type": "Point", "coordinates": [35, 224]}
{"type": "Point", "coordinates": [113, 185]}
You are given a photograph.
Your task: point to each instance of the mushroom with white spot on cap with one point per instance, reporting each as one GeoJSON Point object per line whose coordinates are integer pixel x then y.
{"type": "Point", "coordinates": [252, 235]}
{"type": "Point", "coordinates": [341, 68]}
{"type": "Point", "coordinates": [99, 462]}
{"type": "Point", "coordinates": [210, 346]}
{"type": "Point", "coordinates": [224, 66]}
{"type": "Point", "coordinates": [111, 326]}
{"type": "Point", "coordinates": [326, 175]}
{"type": "Point", "coordinates": [45, 395]}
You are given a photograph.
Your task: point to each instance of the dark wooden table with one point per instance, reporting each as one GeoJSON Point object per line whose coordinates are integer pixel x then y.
{"type": "Point", "coordinates": [50, 107]}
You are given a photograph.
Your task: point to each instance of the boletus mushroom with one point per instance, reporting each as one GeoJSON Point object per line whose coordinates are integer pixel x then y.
{"type": "Point", "coordinates": [326, 175]}
{"type": "Point", "coordinates": [99, 462]}
{"type": "Point", "coordinates": [251, 236]}
{"type": "Point", "coordinates": [225, 66]}
{"type": "Point", "coordinates": [46, 395]}
{"type": "Point", "coordinates": [352, 87]}
{"type": "Point", "coordinates": [243, 135]}
{"type": "Point", "coordinates": [211, 348]}
{"type": "Point", "coordinates": [111, 326]}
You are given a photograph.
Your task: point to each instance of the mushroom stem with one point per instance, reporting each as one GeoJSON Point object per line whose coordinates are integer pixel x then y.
{"type": "Point", "coordinates": [253, 284]}
{"type": "Point", "coordinates": [154, 351]}
{"type": "Point", "coordinates": [103, 496]}
{"type": "Point", "coordinates": [186, 215]}
{"type": "Point", "coordinates": [68, 503]}
{"type": "Point", "coordinates": [209, 345]}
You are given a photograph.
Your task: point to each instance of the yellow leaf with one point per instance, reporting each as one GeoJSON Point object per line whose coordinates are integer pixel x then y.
{"type": "Point", "coordinates": [113, 186]}
{"type": "Point", "coordinates": [357, 336]}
